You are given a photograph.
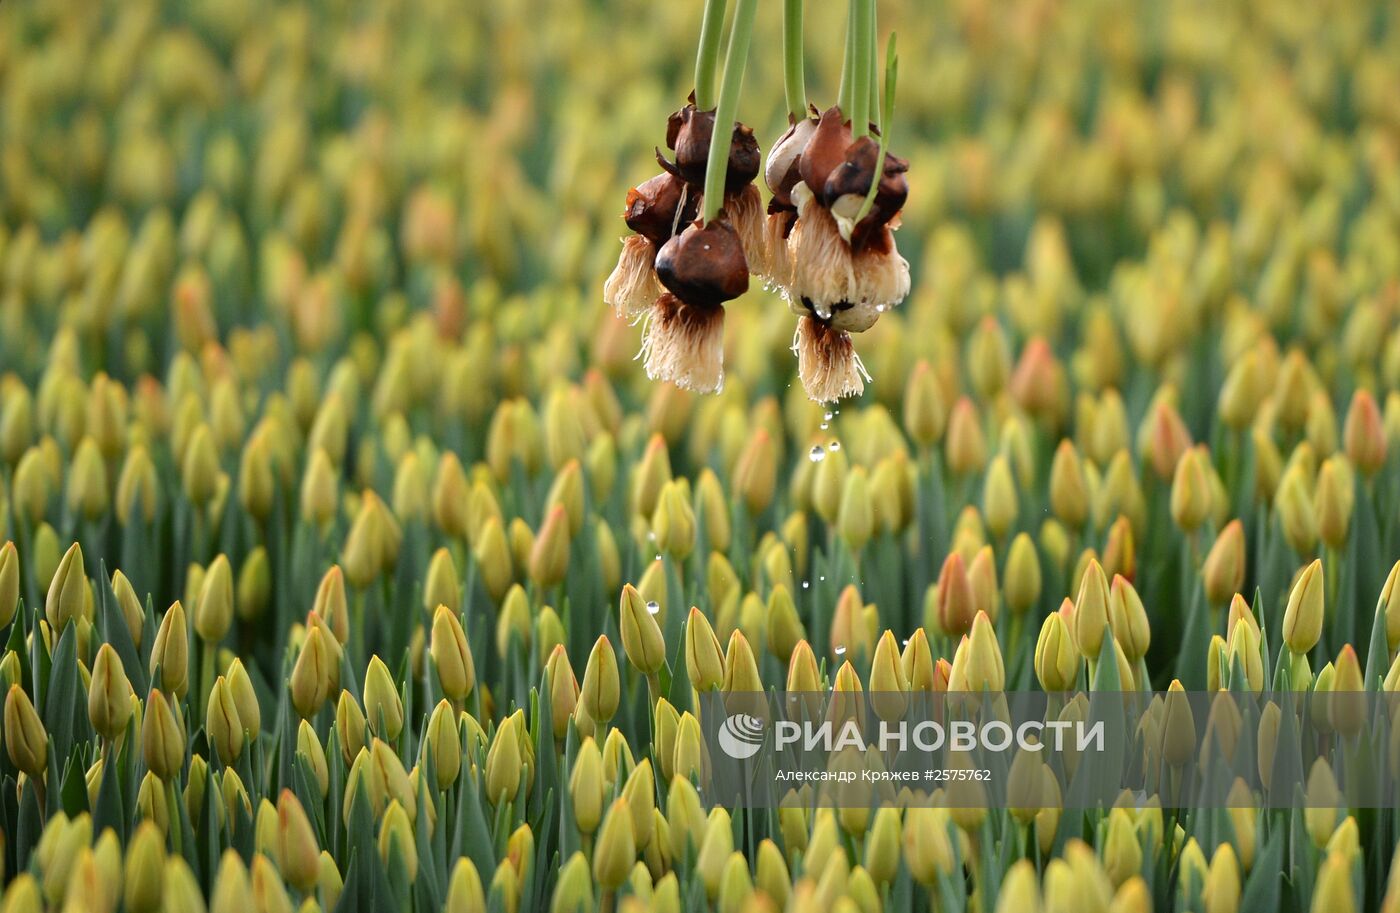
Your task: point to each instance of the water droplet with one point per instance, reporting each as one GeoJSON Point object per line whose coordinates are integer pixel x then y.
{"type": "Point", "coordinates": [822, 578]}
{"type": "Point", "coordinates": [806, 584]}
{"type": "Point", "coordinates": [828, 416]}
{"type": "Point", "coordinates": [906, 642]}
{"type": "Point", "coordinates": [651, 537]}
{"type": "Point", "coordinates": [834, 446]}
{"type": "Point", "coordinates": [841, 650]}
{"type": "Point", "coordinates": [654, 608]}
{"type": "Point", "coordinates": [658, 557]}
{"type": "Point", "coordinates": [817, 454]}
{"type": "Point", "coordinates": [825, 426]}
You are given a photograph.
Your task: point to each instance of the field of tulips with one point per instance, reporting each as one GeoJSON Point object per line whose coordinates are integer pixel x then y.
{"type": "Point", "coordinates": [353, 560]}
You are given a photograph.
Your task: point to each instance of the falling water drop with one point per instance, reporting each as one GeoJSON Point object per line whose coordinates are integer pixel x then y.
{"type": "Point", "coordinates": [817, 454]}
{"type": "Point", "coordinates": [653, 607]}
{"type": "Point", "coordinates": [841, 650]}
{"type": "Point", "coordinates": [834, 446]}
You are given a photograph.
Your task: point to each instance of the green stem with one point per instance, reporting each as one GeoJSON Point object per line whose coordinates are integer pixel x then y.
{"type": "Point", "coordinates": [794, 86]}
{"type": "Point", "coordinates": [707, 57]}
{"type": "Point", "coordinates": [873, 69]}
{"type": "Point", "coordinates": [843, 95]}
{"type": "Point", "coordinates": [717, 165]}
{"type": "Point", "coordinates": [886, 127]}
{"type": "Point", "coordinates": [864, 42]}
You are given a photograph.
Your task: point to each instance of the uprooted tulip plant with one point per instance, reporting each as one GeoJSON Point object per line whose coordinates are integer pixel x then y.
{"type": "Point", "coordinates": [827, 243]}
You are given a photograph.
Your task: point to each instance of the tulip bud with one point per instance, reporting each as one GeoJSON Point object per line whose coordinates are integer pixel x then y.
{"type": "Point", "coordinates": [563, 691]}
{"type": "Point", "coordinates": [1296, 514]}
{"type": "Point", "coordinates": [213, 612]}
{"type": "Point", "coordinates": [144, 875]}
{"type": "Point", "coordinates": [703, 659]}
{"type": "Point", "coordinates": [965, 446]}
{"type": "Point", "coordinates": [309, 748]}
{"type": "Point", "coordinates": [641, 635]}
{"type": "Point", "coordinates": [222, 725]}
{"type": "Point", "coordinates": [615, 849]}
{"type": "Point", "coordinates": [503, 764]}
{"type": "Point", "coordinates": [383, 707]}
{"type": "Point", "coordinates": [350, 726]}
{"type": "Point", "coordinates": [955, 606]}
{"type": "Point", "coordinates": [441, 586]}
{"type": "Point", "coordinates": [298, 855]}
{"type": "Point", "coordinates": [231, 888]}
{"type": "Point", "coordinates": [740, 666]}
{"type": "Point", "coordinates": [170, 653]}
{"type": "Point", "coordinates": [1191, 492]}
{"type": "Point", "coordinates": [311, 674]}
{"type": "Point", "coordinates": [451, 657]}
{"type": "Point", "coordinates": [464, 892]}
{"type": "Point", "coordinates": [549, 558]}
{"type": "Point", "coordinates": [602, 688]}
{"type": "Point", "coordinates": [1223, 571]}
{"type": "Point", "coordinates": [586, 786]}
{"type": "Point", "coordinates": [1091, 611]}
{"type": "Point", "coordinates": [397, 848]}
{"type": "Point", "coordinates": [1364, 434]}
{"type": "Point", "coordinates": [67, 592]}
{"type": "Point", "coordinates": [109, 694]}
{"type": "Point", "coordinates": [25, 737]}
{"type": "Point", "coordinates": [1334, 500]}
{"type": "Point", "coordinates": [855, 520]}
{"type": "Point", "coordinates": [1302, 619]}
{"type": "Point", "coordinates": [1128, 619]}
{"type": "Point", "coordinates": [199, 470]}
{"type": "Point", "coordinates": [573, 891]}
{"type": "Point", "coordinates": [1069, 494]}
{"type": "Point", "coordinates": [1334, 892]}
{"type": "Point", "coordinates": [162, 738]}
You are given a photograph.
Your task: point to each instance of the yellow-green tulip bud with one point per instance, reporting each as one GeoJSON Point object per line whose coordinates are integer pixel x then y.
{"type": "Point", "coordinates": [1122, 854]}
{"type": "Point", "coordinates": [444, 743]}
{"type": "Point", "coordinates": [493, 558]}
{"type": "Point", "coordinates": [503, 763]}
{"type": "Point", "coordinates": [244, 699]}
{"type": "Point", "coordinates": [586, 787]}
{"type": "Point", "coordinates": [1302, 618]}
{"type": "Point", "coordinates": [563, 691]}
{"type": "Point", "coordinates": [213, 612]}
{"type": "Point", "coordinates": [109, 694]}
{"type": "Point", "coordinates": [298, 855]}
{"type": "Point", "coordinates": [1128, 619]}
{"type": "Point", "coordinates": [1091, 611]}
{"type": "Point", "coordinates": [641, 635]}
{"type": "Point", "coordinates": [199, 469]}
{"type": "Point", "coordinates": [1020, 890]}
{"type": "Point", "coordinates": [464, 891]}
{"type": "Point", "coordinates": [442, 586]}
{"type": "Point", "coordinates": [1223, 571]}
{"type": "Point", "coordinates": [703, 659]}
{"type": "Point", "coordinates": [383, 707]}
{"type": "Point", "coordinates": [87, 481]}
{"type": "Point", "coordinates": [615, 850]}
{"type": "Point", "coordinates": [1334, 500]}
{"type": "Point", "coordinates": [144, 877]}
{"type": "Point", "coordinates": [573, 892]}
{"type": "Point", "coordinates": [9, 582]}
{"type": "Point", "coordinates": [67, 593]}
{"type": "Point", "coordinates": [673, 521]}
{"type": "Point", "coordinates": [350, 727]}
{"type": "Point", "coordinates": [396, 843]}
{"type": "Point", "coordinates": [224, 728]}
{"type": "Point", "coordinates": [1069, 493]}
{"type": "Point", "coordinates": [451, 656]}
{"type": "Point", "coordinates": [268, 892]}
{"type": "Point", "coordinates": [309, 748]}
{"type": "Point", "coordinates": [25, 738]}
{"type": "Point", "coordinates": [1191, 493]}
{"type": "Point", "coordinates": [1333, 891]}
{"type": "Point", "coordinates": [231, 888]}
{"type": "Point", "coordinates": [602, 687]}
{"type": "Point", "coordinates": [855, 519]}
{"type": "Point", "coordinates": [549, 557]}
{"type": "Point", "coordinates": [756, 472]}
{"type": "Point", "coordinates": [171, 651]}
{"type": "Point", "coordinates": [254, 588]}
{"type": "Point", "coordinates": [319, 487]}
{"type": "Point", "coordinates": [311, 674]}
{"type": "Point", "coordinates": [162, 741]}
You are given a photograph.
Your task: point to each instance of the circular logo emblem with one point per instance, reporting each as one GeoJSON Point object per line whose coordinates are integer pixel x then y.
{"type": "Point", "coordinates": [741, 736]}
